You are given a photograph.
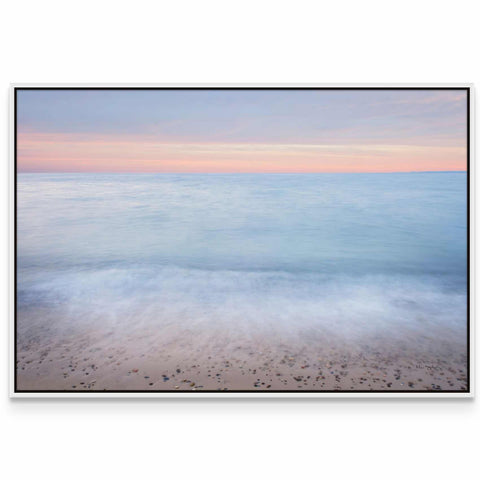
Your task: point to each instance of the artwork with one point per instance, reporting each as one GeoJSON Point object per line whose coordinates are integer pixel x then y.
{"type": "Point", "coordinates": [241, 240]}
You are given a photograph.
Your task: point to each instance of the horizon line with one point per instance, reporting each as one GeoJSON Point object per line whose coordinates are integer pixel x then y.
{"type": "Point", "coordinates": [233, 173]}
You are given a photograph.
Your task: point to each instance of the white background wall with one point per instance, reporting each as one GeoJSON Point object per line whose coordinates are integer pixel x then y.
{"type": "Point", "coordinates": [222, 41]}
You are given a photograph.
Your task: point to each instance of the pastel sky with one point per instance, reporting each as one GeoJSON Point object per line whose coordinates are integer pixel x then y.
{"type": "Point", "coordinates": [241, 130]}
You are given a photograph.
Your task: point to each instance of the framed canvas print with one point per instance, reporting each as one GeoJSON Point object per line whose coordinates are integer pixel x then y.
{"type": "Point", "coordinates": [241, 240]}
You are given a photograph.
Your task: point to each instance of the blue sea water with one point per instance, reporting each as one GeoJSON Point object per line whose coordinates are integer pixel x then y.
{"type": "Point", "coordinates": [338, 252]}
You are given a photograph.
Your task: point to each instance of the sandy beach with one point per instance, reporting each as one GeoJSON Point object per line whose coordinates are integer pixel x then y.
{"type": "Point", "coordinates": [194, 361]}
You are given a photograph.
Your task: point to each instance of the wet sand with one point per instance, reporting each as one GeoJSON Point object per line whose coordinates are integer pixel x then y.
{"type": "Point", "coordinates": [153, 360]}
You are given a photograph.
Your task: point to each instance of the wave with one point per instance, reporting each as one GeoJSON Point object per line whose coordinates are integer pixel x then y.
{"type": "Point", "coordinates": [286, 304]}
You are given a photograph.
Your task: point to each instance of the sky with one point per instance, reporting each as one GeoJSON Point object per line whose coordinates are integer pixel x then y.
{"type": "Point", "coordinates": [229, 131]}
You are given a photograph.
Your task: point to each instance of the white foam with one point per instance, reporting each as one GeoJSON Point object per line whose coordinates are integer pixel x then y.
{"type": "Point", "coordinates": [261, 303]}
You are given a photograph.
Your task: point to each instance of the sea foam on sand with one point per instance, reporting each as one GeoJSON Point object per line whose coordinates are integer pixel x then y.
{"type": "Point", "coordinates": [271, 328]}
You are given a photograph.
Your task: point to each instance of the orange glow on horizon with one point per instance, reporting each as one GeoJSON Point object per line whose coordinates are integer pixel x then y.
{"type": "Point", "coordinates": [41, 152]}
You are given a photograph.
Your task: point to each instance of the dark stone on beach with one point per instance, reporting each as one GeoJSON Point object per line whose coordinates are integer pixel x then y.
{"type": "Point", "coordinates": [178, 370]}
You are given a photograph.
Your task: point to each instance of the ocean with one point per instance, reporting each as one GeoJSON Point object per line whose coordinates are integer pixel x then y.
{"type": "Point", "coordinates": [292, 257]}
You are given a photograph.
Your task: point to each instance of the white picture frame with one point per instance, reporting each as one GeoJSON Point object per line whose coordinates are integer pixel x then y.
{"type": "Point", "coordinates": [14, 393]}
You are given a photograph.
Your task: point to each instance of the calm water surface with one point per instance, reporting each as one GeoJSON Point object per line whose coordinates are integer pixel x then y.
{"type": "Point", "coordinates": [346, 252]}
